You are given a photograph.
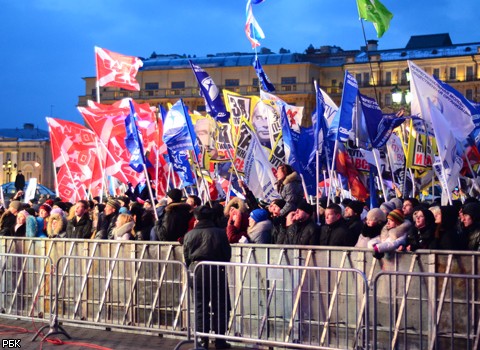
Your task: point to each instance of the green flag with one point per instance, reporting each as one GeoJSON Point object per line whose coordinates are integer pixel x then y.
{"type": "Point", "coordinates": [375, 12]}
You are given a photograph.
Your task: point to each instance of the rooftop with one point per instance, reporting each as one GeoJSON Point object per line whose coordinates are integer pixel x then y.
{"type": "Point", "coordinates": [29, 132]}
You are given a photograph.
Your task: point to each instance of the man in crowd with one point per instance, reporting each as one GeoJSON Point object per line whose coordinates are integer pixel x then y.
{"type": "Point", "coordinates": [300, 227]}
{"type": "Point", "coordinates": [9, 219]}
{"type": "Point", "coordinates": [107, 220]}
{"type": "Point", "coordinates": [335, 231]}
{"type": "Point", "coordinates": [80, 226]}
{"type": "Point", "coordinates": [207, 242]}
{"type": "Point", "coordinates": [352, 216]}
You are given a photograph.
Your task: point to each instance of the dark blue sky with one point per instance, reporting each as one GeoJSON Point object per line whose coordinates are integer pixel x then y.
{"type": "Point", "coordinates": [47, 46]}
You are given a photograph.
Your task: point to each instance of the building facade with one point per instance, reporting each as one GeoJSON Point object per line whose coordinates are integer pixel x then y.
{"type": "Point", "coordinates": [166, 78]}
{"type": "Point", "coordinates": [28, 150]}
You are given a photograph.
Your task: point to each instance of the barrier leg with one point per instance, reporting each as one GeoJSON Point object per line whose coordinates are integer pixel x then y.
{"type": "Point", "coordinates": [55, 329]}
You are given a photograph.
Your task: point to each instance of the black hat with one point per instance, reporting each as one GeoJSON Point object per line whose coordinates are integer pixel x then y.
{"type": "Point", "coordinates": [203, 213]}
{"type": "Point", "coordinates": [356, 206]}
{"type": "Point", "coordinates": [306, 207]}
{"type": "Point", "coordinates": [175, 195]}
{"type": "Point", "coordinates": [279, 203]}
{"type": "Point", "coordinates": [472, 209]}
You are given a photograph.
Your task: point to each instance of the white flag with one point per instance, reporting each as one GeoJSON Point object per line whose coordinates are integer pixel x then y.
{"type": "Point", "coordinates": [424, 87]}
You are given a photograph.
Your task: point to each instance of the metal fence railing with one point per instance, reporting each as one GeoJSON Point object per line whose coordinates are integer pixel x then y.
{"type": "Point", "coordinates": [414, 310]}
{"type": "Point", "coordinates": [148, 295]}
{"type": "Point", "coordinates": [25, 285]}
{"type": "Point", "coordinates": [303, 307]}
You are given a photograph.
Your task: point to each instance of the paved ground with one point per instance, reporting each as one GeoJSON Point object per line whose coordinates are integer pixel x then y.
{"type": "Point", "coordinates": [83, 338]}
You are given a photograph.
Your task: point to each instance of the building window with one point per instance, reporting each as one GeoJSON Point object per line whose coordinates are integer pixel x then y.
{"type": "Point", "coordinates": [366, 79]}
{"type": "Point", "coordinates": [453, 73]}
{"type": "Point", "coordinates": [334, 82]}
{"type": "Point", "coordinates": [469, 94]}
{"type": "Point", "coordinates": [255, 82]}
{"type": "Point", "coordinates": [201, 108]}
{"type": "Point", "coordinates": [388, 99]}
{"type": "Point", "coordinates": [151, 86]}
{"type": "Point", "coordinates": [469, 73]}
{"type": "Point", "coordinates": [177, 85]}
{"type": "Point", "coordinates": [388, 78]}
{"type": "Point", "coordinates": [358, 78]}
{"type": "Point", "coordinates": [288, 80]}
{"type": "Point", "coordinates": [436, 72]}
{"type": "Point", "coordinates": [232, 82]}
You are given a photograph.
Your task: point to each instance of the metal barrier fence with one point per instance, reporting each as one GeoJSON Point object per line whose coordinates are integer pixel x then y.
{"type": "Point", "coordinates": [25, 284]}
{"type": "Point", "coordinates": [425, 311]}
{"type": "Point", "coordinates": [18, 300]}
{"type": "Point", "coordinates": [125, 293]}
{"type": "Point", "coordinates": [301, 307]}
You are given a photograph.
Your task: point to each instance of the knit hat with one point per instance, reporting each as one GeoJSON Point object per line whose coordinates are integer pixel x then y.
{"type": "Point", "coordinates": [49, 202]}
{"type": "Point", "coordinates": [15, 205]}
{"type": "Point", "coordinates": [175, 195]}
{"type": "Point", "coordinates": [307, 208]}
{"type": "Point", "coordinates": [397, 202]}
{"type": "Point", "coordinates": [472, 209]}
{"type": "Point", "coordinates": [259, 215]}
{"type": "Point", "coordinates": [24, 213]}
{"type": "Point", "coordinates": [279, 203]}
{"type": "Point", "coordinates": [356, 206]}
{"type": "Point", "coordinates": [396, 216]}
{"type": "Point", "coordinates": [46, 207]}
{"type": "Point", "coordinates": [388, 206]}
{"type": "Point", "coordinates": [114, 204]}
{"type": "Point", "coordinates": [58, 211]}
{"type": "Point", "coordinates": [376, 215]}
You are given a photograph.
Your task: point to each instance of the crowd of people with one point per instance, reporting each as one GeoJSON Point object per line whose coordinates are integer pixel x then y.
{"type": "Point", "coordinates": [397, 225]}
{"type": "Point", "coordinates": [206, 230]}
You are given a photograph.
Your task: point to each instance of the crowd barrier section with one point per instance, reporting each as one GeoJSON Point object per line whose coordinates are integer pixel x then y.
{"type": "Point", "coordinates": [24, 298]}
{"type": "Point", "coordinates": [413, 310]}
{"type": "Point", "coordinates": [302, 307]}
{"type": "Point", "coordinates": [25, 286]}
{"type": "Point", "coordinates": [140, 294]}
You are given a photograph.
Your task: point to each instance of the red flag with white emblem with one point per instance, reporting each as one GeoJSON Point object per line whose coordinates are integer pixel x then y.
{"type": "Point", "coordinates": [114, 69]}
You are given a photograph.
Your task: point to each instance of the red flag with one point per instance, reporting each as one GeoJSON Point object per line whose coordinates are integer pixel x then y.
{"type": "Point", "coordinates": [74, 153]}
{"type": "Point", "coordinates": [346, 167]}
{"type": "Point", "coordinates": [114, 69]}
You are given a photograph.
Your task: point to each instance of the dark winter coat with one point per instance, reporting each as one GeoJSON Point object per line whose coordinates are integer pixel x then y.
{"type": "Point", "coordinates": [302, 233]}
{"type": "Point", "coordinates": [174, 224]}
{"type": "Point", "coordinates": [335, 234]}
{"type": "Point", "coordinates": [7, 224]}
{"type": "Point", "coordinates": [206, 242]}
{"type": "Point", "coordinates": [291, 190]}
{"type": "Point", "coordinates": [79, 228]}
{"type": "Point", "coordinates": [422, 238]}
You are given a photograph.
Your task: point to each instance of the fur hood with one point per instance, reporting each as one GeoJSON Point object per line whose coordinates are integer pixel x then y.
{"type": "Point", "coordinates": [31, 227]}
{"type": "Point", "coordinates": [396, 232]}
{"type": "Point", "coordinates": [291, 178]}
{"type": "Point", "coordinates": [240, 203]}
{"type": "Point", "coordinates": [177, 207]}
{"type": "Point", "coordinates": [59, 229]}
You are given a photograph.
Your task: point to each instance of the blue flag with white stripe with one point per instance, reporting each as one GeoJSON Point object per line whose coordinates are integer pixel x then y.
{"type": "Point", "coordinates": [262, 77]}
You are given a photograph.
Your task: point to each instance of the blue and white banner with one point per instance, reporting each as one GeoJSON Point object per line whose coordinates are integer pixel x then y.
{"type": "Point", "coordinates": [133, 142]}
{"type": "Point", "coordinates": [177, 134]}
{"type": "Point", "coordinates": [181, 165]}
{"type": "Point", "coordinates": [379, 126]}
{"type": "Point", "coordinates": [424, 87]}
{"type": "Point", "coordinates": [210, 92]}
{"type": "Point", "coordinates": [262, 76]}
{"type": "Point", "coordinates": [342, 123]}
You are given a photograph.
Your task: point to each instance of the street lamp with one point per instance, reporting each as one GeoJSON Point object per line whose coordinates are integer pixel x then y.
{"type": "Point", "coordinates": [397, 95]}
{"type": "Point", "coordinates": [7, 169]}
{"type": "Point", "coordinates": [39, 171]}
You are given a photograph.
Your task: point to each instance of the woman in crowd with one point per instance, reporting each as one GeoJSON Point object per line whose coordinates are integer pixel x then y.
{"type": "Point", "coordinates": [20, 225]}
{"type": "Point", "coordinates": [372, 227]}
{"type": "Point", "coordinates": [392, 236]}
{"type": "Point", "coordinates": [57, 225]}
{"type": "Point", "coordinates": [123, 227]}
{"type": "Point", "coordinates": [289, 186]}
{"type": "Point", "coordinates": [237, 213]}
{"type": "Point", "coordinates": [259, 227]}
{"type": "Point", "coordinates": [422, 232]}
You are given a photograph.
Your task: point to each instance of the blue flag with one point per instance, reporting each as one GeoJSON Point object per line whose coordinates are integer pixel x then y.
{"type": "Point", "coordinates": [181, 165]}
{"type": "Point", "coordinates": [379, 126]}
{"type": "Point", "coordinates": [262, 77]}
{"type": "Point", "coordinates": [298, 147]}
{"type": "Point", "coordinates": [133, 142]}
{"type": "Point", "coordinates": [342, 123]}
{"type": "Point", "coordinates": [211, 94]}
{"type": "Point", "coordinates": [319, 125]}
{"type": "Point", "coordinates": [178, 133]}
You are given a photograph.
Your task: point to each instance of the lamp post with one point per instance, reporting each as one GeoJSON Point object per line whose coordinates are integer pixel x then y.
{"type": "Point", "coordinates": [402, 98]}
{"type": "Point", "coordinates": [39, 171]}
{"type": "Point", "coordinates": [7, 170]}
